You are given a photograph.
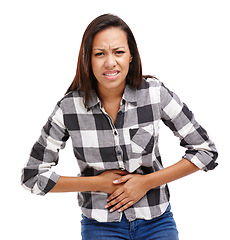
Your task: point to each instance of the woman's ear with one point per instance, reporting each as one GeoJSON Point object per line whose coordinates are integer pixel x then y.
{"type": "Point", "coordinates": [131, 59]}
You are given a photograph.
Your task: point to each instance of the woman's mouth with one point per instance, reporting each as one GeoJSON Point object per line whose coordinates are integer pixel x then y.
{"type": "Point", "coordinates": [111, 75]}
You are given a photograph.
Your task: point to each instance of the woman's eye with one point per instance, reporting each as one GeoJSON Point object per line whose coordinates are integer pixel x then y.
{"type": "Point", "coordinates": [119, 52]}
{"type": "Point", "coordinates": [99, 54]}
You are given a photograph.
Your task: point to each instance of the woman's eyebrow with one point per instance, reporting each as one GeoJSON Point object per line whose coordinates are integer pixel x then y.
{"type": "Point", "coordinates": [104, 49]}
{"type": "Point", "coordinates": [118, 48]}
{"type": "Point", "coordinates": [99, 49]}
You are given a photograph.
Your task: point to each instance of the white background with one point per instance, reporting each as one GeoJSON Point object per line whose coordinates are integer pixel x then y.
{"type": "Point", "coordinates": [184, 43]}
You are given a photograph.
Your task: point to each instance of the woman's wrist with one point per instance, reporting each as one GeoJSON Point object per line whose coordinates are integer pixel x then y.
{"type": "Point", "coordinates": [149, 181]}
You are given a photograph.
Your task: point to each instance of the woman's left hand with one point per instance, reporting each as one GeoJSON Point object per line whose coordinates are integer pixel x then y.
{"type": "Point", "coordinates": [132, 191]}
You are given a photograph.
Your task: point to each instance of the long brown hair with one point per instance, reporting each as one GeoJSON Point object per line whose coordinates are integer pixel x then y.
{"type": "Point", "coordinates": [84, 79]}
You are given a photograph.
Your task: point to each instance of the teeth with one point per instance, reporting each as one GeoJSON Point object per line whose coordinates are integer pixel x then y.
{"type": "Point", "coordinates": [111, 74]}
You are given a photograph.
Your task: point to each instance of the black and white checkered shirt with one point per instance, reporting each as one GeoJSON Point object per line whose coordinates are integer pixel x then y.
{"type": "Point", "coordinates": [131, 144]}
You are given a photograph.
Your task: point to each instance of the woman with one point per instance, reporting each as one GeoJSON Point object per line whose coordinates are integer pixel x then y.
{"type": "Point", "coordinates": [112, 114]}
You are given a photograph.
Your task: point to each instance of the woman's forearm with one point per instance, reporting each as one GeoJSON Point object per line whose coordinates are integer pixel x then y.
{"type": "Point", "coordinates": [169, 174]}
{"type": "Point", "coordinates": [99, 183]}
{"type": "Point", "coordinates": [75, 184]}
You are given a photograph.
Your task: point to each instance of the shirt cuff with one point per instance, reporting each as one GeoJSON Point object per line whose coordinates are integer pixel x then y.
{"type": "Point", "coordinates": [46, 181]}
{"type": "Point", "coordinates": [204, 160]}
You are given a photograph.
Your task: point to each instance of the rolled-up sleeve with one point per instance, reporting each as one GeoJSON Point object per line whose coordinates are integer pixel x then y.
{"type": "Point", "coordinates": [37, 175]}
{"type": "Point", "coordinates": [201, 151]}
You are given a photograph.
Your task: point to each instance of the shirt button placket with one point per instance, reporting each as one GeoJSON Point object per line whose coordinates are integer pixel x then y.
{"type": "Point", "coordinates": [118, 150]}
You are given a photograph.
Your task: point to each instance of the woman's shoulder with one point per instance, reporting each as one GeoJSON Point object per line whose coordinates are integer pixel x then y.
{"type": "Point", "coordinates": [150, 81]}
{"type": "Point", "coordinates": [149, 91]}
{"type": "Point", "coordinates": [71, 98]}
{"type": "Point", "coordinates": [71, 95]}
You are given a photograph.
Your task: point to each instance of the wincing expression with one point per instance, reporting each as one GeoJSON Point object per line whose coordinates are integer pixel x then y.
{"type": "Point", "coordinates": [110, 58]}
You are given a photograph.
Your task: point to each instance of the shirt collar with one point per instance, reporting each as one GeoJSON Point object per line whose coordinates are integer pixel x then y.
{"type": "Point", "coordinates": [129, 96]}
{"type": "Point", "coordinates": [93, 101]}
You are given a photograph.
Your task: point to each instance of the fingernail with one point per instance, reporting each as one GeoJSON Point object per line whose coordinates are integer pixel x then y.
{"type": "Point", "coordinates": [106, 206]}
{"type": "Point", "coordinates": [111, 210]}
{"type": "Point", "coordinates": [115, 181]}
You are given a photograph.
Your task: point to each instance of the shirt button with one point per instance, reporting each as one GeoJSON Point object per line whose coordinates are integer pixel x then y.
{"type": "Point", "coordinates": [119, 153]}
{"type": "Point", "coordinates": [120, 112]}
{"type": "Point", "coordinates": [115, 133]}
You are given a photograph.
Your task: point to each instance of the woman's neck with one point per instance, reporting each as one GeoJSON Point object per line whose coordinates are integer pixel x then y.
{"type": "Point", "coordinates": [110, 95]}
{"type": "Point", "coordinates": [111, 99]}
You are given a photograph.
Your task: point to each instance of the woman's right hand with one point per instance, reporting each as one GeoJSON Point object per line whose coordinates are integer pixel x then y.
{"type": "Point", "coordinates": [105, 180]}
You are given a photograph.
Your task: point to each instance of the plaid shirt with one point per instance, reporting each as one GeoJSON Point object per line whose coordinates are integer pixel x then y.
{"type": "Point", "coordinates": [131, 144]}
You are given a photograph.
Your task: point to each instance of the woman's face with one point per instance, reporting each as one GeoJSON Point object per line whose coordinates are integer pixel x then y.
{"type": "Point", "coordinates": [110, 58]}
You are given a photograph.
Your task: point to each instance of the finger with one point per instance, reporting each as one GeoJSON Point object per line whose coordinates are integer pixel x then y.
{"type": "Point", "coordinates": [114, 195]}
{"type": "Point", "coordinates": [122, 179]}
{"type": "Point", "coordinates": [126, 206]}
{"type": "Point", "coordinates": [119, 205]}
{"type": "Point", "coordinates": [115, 201]}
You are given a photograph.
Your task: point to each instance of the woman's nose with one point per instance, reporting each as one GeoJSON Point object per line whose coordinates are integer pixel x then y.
{"type": "Point", "coordinates": [110, 62]}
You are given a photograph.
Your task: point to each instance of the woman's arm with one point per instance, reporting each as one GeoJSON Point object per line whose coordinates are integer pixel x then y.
{"type": "Point", "coordinates": [136, 186]}
{"type": "Point", "coordinates": [100, 183]}
{"type": "Point", "coordinates": [37, 174]}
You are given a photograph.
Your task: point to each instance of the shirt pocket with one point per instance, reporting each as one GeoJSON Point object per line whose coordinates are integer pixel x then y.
{"type": "Point", "coordinates": [142, 140]}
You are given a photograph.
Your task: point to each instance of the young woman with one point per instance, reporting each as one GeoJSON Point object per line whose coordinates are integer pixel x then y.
{"type": "Point", "coordinates": [112, 114]}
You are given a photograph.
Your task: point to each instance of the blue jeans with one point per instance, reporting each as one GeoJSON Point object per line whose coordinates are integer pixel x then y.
{"type": "Point", "coordinates": [162, 228]}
